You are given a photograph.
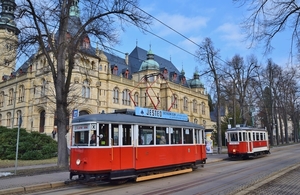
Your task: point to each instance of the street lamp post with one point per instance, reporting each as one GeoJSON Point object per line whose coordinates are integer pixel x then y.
{"type": "Point", "coordinates": [229, 122]}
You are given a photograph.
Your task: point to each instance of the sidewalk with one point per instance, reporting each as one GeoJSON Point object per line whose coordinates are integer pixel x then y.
{"type": "Point", "coordinates": [18, 185]}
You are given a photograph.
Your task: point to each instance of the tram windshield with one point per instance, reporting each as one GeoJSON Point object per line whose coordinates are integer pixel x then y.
{"type": "Point", "coordinates": [233, 136]}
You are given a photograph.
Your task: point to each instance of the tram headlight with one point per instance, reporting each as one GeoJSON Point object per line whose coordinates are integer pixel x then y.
{"type": "Point", "coordinates": [234, 150]}
{"type": "Point", "coordinates": [78, 162]}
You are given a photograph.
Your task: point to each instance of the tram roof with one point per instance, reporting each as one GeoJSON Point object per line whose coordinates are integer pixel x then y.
{"type": "Point", "coordinates": [246, 129]}
{"type": "Point", "coordinates": [133, 119]}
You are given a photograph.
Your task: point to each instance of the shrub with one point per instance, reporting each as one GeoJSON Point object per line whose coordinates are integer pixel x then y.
{"type": "Point", "coordinates": [32, 146]}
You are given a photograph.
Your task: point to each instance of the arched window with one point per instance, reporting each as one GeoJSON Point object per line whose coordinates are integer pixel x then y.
{"type": "Point", "coordinates": [10, 96]}
{"type": "Point", "coordinates": [203, 108]}
{"type": "Point", "coordinates": [19, 113]}
{"type": "Point", "coordinates": [196, 121]}
{"type": "Point", "coordinates": [185, 104]}
{"type": "Point", "coordinates": [21, 93]}
{"type": "Point", "coordinates": [195, 106]}
{"type": "Point", "coordinates": [1, 98]}
{"type": "Point", "coordinates": [174, 101]}
{"type": "Point", "coordinates": [43, 88]}
{"type": "Point", "coordinates": [116, 95]}
{"type": "Point", "coordinates": [136, 99]}
{"type": "Point", "coordinates": [8, 119]}
{"type": "Point", "coordinates": [42, 121]}
{"type": "Point", "coordinates": [86, 89]}
{"type": "Point", "coordinates": [126, 98]}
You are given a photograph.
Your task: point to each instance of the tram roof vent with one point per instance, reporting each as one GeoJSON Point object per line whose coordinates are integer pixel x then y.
{"type": "Point", "coordinates": [125, 111]}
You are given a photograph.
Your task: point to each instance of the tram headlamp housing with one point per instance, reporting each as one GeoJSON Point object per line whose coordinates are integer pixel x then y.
{"type": "Point", "coordinates": [234, 150]}
{"type": "Point", "coordinates": [78, 162]}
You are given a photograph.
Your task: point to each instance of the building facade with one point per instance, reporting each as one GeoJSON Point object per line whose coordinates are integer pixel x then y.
{"type": "Point", "coordinates": [101, 82]}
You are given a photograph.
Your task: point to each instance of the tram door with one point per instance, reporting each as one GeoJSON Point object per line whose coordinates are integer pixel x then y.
{"type": "Point", "coordinates": [127, 150]}
{"type": "Point", "coordinates": [249, 143]}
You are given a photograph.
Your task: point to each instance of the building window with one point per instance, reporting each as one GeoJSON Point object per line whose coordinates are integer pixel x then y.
{"type": "Point", "coordinates": [126, 98]}
{"type": "Point", "coordinates": [116, 95]}
{"type": "Point", "coordinates": [19, 113]}
{"type": "Point", "coordinates": [174, 100]}
{"type": "Point", "coordinates": [100, 68]}
{"type": "Point", "coordinates": [195, 106]}
{"type": "Point", "coordinates": [1, 98]}
{"type": "Point", "coordinates": [0, 119]}
{"type": "Point", "coordinates": [43, 88]}
{"type": "Point", "coordinates": [21, 93]}
{"type": "Point", "coordinates": [8, 119]}
{"type": "Point", "coordinates": [114, 70]}
{"type": "Point", "coordinates": [136, 99]}
{"type": "Point", "coordinates": [185, 104]}
{"type": "Point", "coordinates": [10, 96]}
{"type": "Point", "coordinates": [86, 43]}
{"type": "Point", "coordinates": [86, 89]}
{"type": "Point", "coordinates": [203, 108]}
{"type": "Point", "coordinates": [195, 121]}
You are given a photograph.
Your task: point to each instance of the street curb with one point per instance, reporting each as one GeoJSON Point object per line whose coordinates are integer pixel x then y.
{"type": "Point", "coordinates": [269, 179]}
{"type": "Point", "coordinates": [16, 190]}
{"type": "Point", "coordinates": [31, 188]}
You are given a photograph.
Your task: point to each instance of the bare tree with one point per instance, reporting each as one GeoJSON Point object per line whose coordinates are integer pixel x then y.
{"type": "Point", "coordinates": [55, 30]}
{"type": "Point", "coordinates": [270, 17]}
{"type": "Point", "coordinates": [210, 56]}
{"type": "Point", "coordinates": [241, 73]}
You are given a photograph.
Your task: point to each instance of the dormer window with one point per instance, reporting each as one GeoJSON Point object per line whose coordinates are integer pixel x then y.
{"type": "Point", "coordinates": [114, 70]}
{"type": "Point", "coordinates": [86, 42]}
{"type": "Point", "coordinates": [174, 77]}
{"type": "Point", "coordinates": [126, 74]}
{"type": "Point", "coordinates": [183, 80]}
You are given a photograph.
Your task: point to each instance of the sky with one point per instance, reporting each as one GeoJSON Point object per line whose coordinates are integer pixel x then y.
{"type": "Point", "coordinates": [219, 20]}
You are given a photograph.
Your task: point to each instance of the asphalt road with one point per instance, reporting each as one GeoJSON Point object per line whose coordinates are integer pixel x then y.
{"type": "Point", "coordinates": [221, 177]}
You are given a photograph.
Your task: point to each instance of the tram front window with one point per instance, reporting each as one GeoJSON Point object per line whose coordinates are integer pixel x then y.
{"type": "Point", "coordinates": [81, 138]}
{"type": "Point", "coordinates": [233, 136]}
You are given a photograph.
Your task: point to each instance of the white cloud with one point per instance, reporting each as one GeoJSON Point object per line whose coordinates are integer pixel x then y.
{"type": "Point", "coordinates": [182, 24]}
{"type": "Point", "coordinates": [231, 33]}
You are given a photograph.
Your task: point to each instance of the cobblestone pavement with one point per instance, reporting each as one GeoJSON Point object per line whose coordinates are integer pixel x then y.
{"type": "Point", "coordinates": [287, 184]}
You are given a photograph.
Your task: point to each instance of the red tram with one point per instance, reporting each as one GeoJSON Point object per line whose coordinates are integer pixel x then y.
{"type": "Point", "coordinates": [247, 142]}
{"type": "Point", "coordinates": [135, 144]}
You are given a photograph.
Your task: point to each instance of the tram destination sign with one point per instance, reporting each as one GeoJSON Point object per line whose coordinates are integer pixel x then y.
{"type": "Point", "coordinates": [148, 112]}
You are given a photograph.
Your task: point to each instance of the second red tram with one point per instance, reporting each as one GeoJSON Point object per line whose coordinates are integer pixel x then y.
{"type": "Point", "coordinates": [247, 142]}
{"type": "Point", "coordinates": [134, 144]}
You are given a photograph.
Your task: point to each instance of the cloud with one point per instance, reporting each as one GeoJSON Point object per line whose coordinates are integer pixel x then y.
{"type": "Point", "coordinates": [182, 24]}
{"type": "Point", "coordinates": [231, 34]}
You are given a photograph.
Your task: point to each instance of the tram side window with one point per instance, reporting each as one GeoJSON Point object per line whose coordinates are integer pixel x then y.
{"type": "Point", "coordinates": [249, 136]}
{"type": "Point", "coordinates": [257, 136]}
{"type": "Point", "coordinates": [245, 136]}
{"type": "Point", "coordinates": [161, 135]}
{"type": "Point", "coordinates": [254, 138]}
{"type": "Point", "coordinates": [240, 136]}
{"type": "Point", "coordinates": [261, 136]}
{"type": "Point", "coordinates": [199, 136]}
{"type": "Point", "coordinates": [188, 136]}
{"type": "Point", "coordinates": [127, 134]}
{"type": "Point", "coordinates": [81, 138]}
{"type": "Point", "coordinates": [115, 134]}
{"type": "Point", "coordinates": [176, 136]}
{"type": "Point", "coordinates": [146, 135]}
{"type": "Point", "coordinates": [103, 135]}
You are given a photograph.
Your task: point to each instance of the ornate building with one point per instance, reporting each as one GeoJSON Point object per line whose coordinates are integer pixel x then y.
{"type": "Point", "coordinates": [101, 82]}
